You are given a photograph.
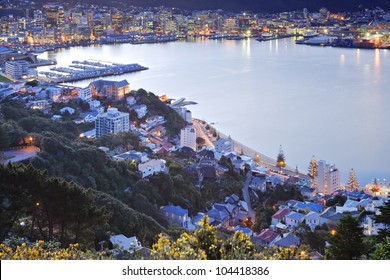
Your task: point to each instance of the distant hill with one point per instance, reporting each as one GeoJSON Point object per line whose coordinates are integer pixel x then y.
{"type": "Point", "coordinates": [260, 5]}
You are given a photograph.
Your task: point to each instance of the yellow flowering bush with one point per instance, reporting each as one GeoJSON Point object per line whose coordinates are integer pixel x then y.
{"type": "Point", "coordinates": [42, 250]}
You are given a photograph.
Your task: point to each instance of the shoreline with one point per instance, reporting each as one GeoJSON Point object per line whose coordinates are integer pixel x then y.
{"type": "Point", "coordinates": [240, 148]}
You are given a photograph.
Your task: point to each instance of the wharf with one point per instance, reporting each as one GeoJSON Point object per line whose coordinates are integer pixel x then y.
{"type": "Point", "coordinates": [82, 70]}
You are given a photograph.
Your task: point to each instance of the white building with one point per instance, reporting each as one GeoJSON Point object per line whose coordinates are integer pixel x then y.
{"type": "Point", "coordinates": [141, 110]}
{"type": "Point", "coordinates": [112, 122]}
{"type": "Point", "coordinates": [85, 94]}
{"type": "Point", "coordinates": [122, 242]}
{"type": "Point", "coordinates": [328, 177]}
{"type": "Point", "coordinates": [188, 137]}
{"type": "Point", "coordinates": [152, 167]}
{"type": "Point", "coordinates": [16, 69]}
{"type": "Point", "coordinates": [224, 145]}
{"type": "Point", "coordinates": [67, 109]}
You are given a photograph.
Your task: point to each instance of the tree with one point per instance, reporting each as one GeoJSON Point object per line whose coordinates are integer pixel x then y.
{"type": "Point", "coordinates": [347, 240]}
{"type": "Point", "coordinates": [281, 160]}
{"type": "Point", "coordinates": [313, 169]}
{"type": "Point", "coordinates": [207, 240]}
{"type": "Point", "coordinates": [353, 183]}
{"type": "Point", "coordinates": [238, 247]}
{"type": "Point", "coordinates": [382, 250]}
{"type": "Point", "coordinates": [384, 218]}
{"type": "Point", "coordinates": [4, 141]}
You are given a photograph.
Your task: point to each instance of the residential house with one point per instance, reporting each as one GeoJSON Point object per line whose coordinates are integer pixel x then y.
{"type": "Point", "coordinates": [238, 164]}
{"type": "Point", "coordinates": [68, 110]}
{"type": "Point", "coordinates": [312, 219]}
{"type": "Point", "coordinates": [307, 191]}
{"type": "Point", "coordinates": [244, 230]}
{"type": "Point", "coordinates": [89, 117]}
{"type": "Point", "coordinates": [266, 237]}
{"type": "Point", "coordinates": [141, 110]}
{"type": "Point", "coordinates": [206, 153]}
{"type": "Point", "coordinates": [274, 181]}
{"type": "Point", "coordinates": [122, 242]}
{"type": "Point", "coordinates": [152, 167]}
{"type": "Point", "coordinates": [308, 206]}
{"type": "Point", "coordinates": [324, 216]}
{"type": "Point", "coordinates": [132, 156]}
{"type": "Point", "coordinates": [287, 241]}
{"type": "Point", "coordinates": [370, 227]}
{"type": "Point", "coordinates": [280, 215]}
{"type": "Point", "coordinates": [178, 216]}
{"type": "Point", "coordinates": [158, 131]}
{"type": "Point", "coordinates": [224, 145]}
{"type": "Point", "coordinates": [130, 100]}
{"type": "Point", "coordinates": [258, 183]}
{"type": "Point", "coordinates": [220, 218]}
{"type": "Point", "coordinates": [152, 122]}
{"type": "Point", "coordinates": [373, 206]}
{"type": "Point", "coordinates": [41, 105]}
{"type": "Point", "coordinates": [293, 219]}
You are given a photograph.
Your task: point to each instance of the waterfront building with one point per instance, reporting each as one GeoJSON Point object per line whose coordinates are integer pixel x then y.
{"type": "Point", "coordinates": [328, 178]}
{"type": "Point", "coordinates": [110, 89]}
{"type": "Point", "coordinates": [112, 122]}
{"type": "Point", "coordinates": [224, 145]}
{"type": "Point", "coordinates": [16, 69]}
{"type": "Point", "coordinates": [188, 137]}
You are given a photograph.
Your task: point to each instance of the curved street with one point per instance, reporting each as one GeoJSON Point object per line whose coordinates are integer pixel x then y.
{"type": "Point", "coordinates": [20, 154]}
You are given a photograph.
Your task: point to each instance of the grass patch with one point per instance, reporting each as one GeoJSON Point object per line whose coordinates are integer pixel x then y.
{"type": "Point", "coordinates": [4, 79]}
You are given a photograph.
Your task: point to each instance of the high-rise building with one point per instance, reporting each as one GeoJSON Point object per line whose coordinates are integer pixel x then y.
{"type": "Point", "coordinates": [188, 137]}
{"type": "Point", "coordinates": [328, 177]}
{"type": "Point", "coordinates": [16, 69]}
{"type": "Point", "coordinates": [112, 122]}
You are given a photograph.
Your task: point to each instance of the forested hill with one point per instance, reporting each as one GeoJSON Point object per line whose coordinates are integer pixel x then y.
{"type": "Point", "coordinates": [259, 5]}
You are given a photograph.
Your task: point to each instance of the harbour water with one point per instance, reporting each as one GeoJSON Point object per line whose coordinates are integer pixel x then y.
{"type": "Point", "coordinates": [332, 103]}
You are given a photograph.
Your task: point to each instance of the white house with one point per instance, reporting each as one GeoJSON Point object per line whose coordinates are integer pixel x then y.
{"type": "Point", "coordinates": [122, 242]}
{"type": "Point", "coordinates": [224, 145]}
{"type": "Point", "coordinates": [141, 110]}
{"type": "Point", "coordinates": [293, 219]}
{"type": "Point", "coordinates": [152, 167]}
{"type": "Point", "coordinates": [312, 219]}
{"type": "Point", "coordinates": [67, 109]}
{"type": "Point", "coordinates": [94, 104]}
{"type": "Point", "coordinates": [130, 100]}
{"type": "Point", "coordinates": [370, 227]}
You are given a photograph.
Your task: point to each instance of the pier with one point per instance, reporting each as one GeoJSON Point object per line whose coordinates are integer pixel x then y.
{"type": "Point", "coordinates": [88, 69]}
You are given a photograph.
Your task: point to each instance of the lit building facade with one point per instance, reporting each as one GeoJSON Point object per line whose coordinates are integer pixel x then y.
{"type": "Point", "coordinates": [112, 122]}
{"type": "Point", "coordinates": [328, 178]}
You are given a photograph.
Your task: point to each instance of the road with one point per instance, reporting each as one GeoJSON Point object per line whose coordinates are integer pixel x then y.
{"type": "Point", "coordinates": [20, 154]}
{"type": "Point", "coordinates": [247, 199]}
{"type": "Point", "coordinates": [201, 132]}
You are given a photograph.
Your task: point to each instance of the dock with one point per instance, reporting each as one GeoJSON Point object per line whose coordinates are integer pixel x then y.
{"type": "Point", "coordinates": [88, 69]}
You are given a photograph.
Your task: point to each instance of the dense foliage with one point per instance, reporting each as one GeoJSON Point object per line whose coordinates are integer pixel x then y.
{"type": "Point", "coordinates": [38, 206]}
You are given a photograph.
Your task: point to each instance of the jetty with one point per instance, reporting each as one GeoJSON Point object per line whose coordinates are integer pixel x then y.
{"type": "Point", "coordinates": [88, 69]}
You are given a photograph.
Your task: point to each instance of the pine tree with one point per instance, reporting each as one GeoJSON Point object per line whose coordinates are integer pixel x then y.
{"type": "Point", "coordinates": [347, 240]}
{"type": "Point", "coordinates": [313, 169]}
{"type": "Point", "coordinates": [353, 183]}
{"type": "Point", "coordinates": [4, 141]}
{"type": "Point", "coordinates": [280, 160]}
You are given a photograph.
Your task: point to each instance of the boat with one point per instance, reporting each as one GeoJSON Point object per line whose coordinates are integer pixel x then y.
{"type": "Point", "coordinates": [39, 50]}
{"type": "Point", "coordinates": [310, 35]}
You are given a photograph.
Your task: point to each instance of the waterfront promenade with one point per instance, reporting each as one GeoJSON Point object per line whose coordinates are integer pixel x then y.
{"type": "Point", "coordinates": [240, 148]}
